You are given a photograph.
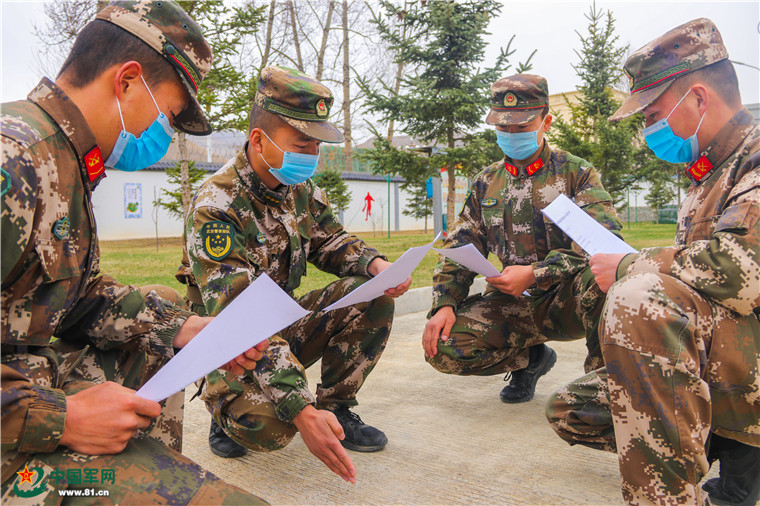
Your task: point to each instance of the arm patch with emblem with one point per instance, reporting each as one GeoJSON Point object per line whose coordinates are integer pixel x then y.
{"type": "Point", "coordinates": [217, 239]}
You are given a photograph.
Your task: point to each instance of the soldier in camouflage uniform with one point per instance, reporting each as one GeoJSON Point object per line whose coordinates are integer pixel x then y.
{"type": "Point", "coordinates": [261, 213]}
{"type": "Point", "coordinates": [68, 408]}
{"type": "Point", "coordinates": [504, 329]}
{"type": "Point", "coordinates": [680, 332]}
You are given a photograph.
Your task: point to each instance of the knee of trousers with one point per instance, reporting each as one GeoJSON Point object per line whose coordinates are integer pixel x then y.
{"type": "Point", "coordinates": [627, 308]}
{"type": "Point", "coordinates": [245, 413]}
{"type": "Point", "coordinates": [165, 293]}
{"type": "Point", "coordinates": [449, 360]}
{"type": "Point", "coordinates": [380, 311]}
{"type": "Point", "coordinates": [256, 431]}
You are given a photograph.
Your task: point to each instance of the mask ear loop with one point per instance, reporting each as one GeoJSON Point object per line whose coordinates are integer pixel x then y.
{"type": "Point", "coordinates": [270, 140]}
{"type": "Point", "coordinates": [118, 106]}
{"type": "Point", "coordinates": [151, 94]}
{"type": "Point", "coordinates": [679, 103]}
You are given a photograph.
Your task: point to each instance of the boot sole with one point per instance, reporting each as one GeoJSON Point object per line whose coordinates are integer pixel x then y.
{"type": "Point", "coordinates": [549, 364]}
{"type": "Point", "coordinates": [364, 449]}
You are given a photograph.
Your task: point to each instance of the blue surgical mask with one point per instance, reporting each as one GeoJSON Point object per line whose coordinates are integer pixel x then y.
{"type": "Point", "coordinates": [296, 167]}
{"type": "Point", "coordinates": [518, 146]}
{"type": "Point", "coordinates": [132, 153]}
{"type": "Point", "coordinates": [668, 146]}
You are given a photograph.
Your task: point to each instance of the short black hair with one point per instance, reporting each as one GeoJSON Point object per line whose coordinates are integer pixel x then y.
{"type": "Point", "coordinates": [720, 76]}
{"type": "Point", "coordinates": [265, 120]}
{"type": "Point", "coordinates": [101, 45]}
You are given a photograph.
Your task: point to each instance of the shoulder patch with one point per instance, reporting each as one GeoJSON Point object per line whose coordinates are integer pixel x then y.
{"type": "Point", "coordinates": [217, 237]}
{"type": "Point", "coordinates": [261, 238]}
{"type": "Point", "coordinates": [5, 182]}
{"type": "Point", "coordinates": [489, 202]}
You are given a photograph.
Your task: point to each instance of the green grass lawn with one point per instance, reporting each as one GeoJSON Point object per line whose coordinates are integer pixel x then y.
{"type": "Point", "coordinates": [138, 262]}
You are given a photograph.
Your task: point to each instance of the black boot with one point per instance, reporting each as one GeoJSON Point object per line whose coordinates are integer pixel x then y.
{"type": "Point", "coordinates": [221, 444]}
{"type": "Point", "coordinates": [360, 437]}
{"type": "Point", "coordinates": [739, 481]}
{"type": "Point", "coordinates": [522, 386]}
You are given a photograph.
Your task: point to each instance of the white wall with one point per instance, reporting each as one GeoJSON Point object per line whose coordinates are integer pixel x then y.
{"type": "Point", "coordinates": [109, 205]}
{"type": "Point", "coordinates": [354, 219]}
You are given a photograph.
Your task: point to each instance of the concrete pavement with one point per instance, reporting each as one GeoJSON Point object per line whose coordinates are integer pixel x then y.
{"type": "Point", "coordinates": [451, 441]}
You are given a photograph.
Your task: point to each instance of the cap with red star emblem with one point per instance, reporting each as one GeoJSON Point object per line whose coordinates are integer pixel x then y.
{"type": "Point", "coordinates": [517, 99]}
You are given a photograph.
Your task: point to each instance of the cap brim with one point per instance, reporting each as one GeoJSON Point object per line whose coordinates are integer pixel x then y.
{"type": "Point", "coordinates": [638, 101]}
{"type": "Point", "coordinates": [517, 117]}
{"type": "Point", "coordinates": [320, 130]}
{"type": "Point", "coordinates": [192, 120]}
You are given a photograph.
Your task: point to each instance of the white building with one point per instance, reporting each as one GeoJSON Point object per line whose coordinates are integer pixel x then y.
{"type": "Point", "coordinates": [124, 209]}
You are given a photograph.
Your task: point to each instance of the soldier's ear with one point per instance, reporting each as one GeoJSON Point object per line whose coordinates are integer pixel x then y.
{"type": "Point", "coordinates": [126, 78]}
{"type": "Point", "coordinates": [548, 122]}
{"type": "Point", "coordinates": [702, 95]}
{"type": "Point", "coordinates": [254, 139]}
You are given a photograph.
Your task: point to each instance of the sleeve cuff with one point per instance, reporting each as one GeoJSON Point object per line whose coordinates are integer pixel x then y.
{"type": "Point", "coordinates": [169, 324]}
{"type": "Point", "coordinates": [625, 263]}
{"type": "Point", "coordinates": [440, 300]}
{"type": "Point", "coordinates": [542, 273]}
{"type": "Point", "coordinates": [45, 420]}
{"type": "Point", "coordinates": [289, 407]}
{"type": "Point", "coordinates": [365, 259]}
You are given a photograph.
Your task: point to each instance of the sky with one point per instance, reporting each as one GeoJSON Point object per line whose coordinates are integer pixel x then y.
{"type": "Point", "coordinates": [548, 26]}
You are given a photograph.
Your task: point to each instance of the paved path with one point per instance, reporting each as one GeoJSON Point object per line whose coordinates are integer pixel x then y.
{"type": "Point", "coordinates": [451, 441]}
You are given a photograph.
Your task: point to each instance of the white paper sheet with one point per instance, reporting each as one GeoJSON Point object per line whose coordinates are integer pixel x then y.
{"type": "Point", "coordinates": [392, 276]}
{"type": "Point", "coordinates": [259, 312]}
{"type": "Point", "coordinates": [469, 256]}
{"type": "Point", "coordinates": [583, 229]}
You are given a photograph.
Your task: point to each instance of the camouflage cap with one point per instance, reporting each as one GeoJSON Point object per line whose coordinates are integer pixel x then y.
{"type": "Point", "coordinates": [517, 99]}
{"type": "Point", "coordinates": [168, 29]}
{"type": "Point", "coordinates": [653, 68]}
{"type": "Point", "coordinates": [300, 100]}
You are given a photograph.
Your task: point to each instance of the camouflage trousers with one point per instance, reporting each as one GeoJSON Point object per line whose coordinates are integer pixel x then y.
{"type": "Point", "coordinates": [678, 366]}
{"type": "Point", "coordinates": [150, 470]}
{"type": "Point", "coordinates": [349, 341]}
{"type": "Point", "coordinates": [494, 331]}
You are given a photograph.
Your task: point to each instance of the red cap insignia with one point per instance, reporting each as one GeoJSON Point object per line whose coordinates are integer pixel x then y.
{"type": "Point", "coordinates": [94, 162]}
{"type": "Point", "coordinates": [700, 168]}
{"type": "Point", "coordinates": [534, 167]}
{"type": "Point", "coordinates": [511, 169]}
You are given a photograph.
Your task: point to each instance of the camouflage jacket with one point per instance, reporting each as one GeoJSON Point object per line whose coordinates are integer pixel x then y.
{"type": "Point", "coordinates": [717, 253]}
{"type": "Point", "coordinates": [237, 229]}
{"type": "Point", "coordinates": [51, 284]}
{"type": "Point", "coordinates": [717, 246]}
{"type": "Point", "coordinates": [502, 215]}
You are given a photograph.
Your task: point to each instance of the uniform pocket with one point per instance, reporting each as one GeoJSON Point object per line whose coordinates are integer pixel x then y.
{"type": "Point", "coordinates": [58, 260]}
{"type": "Point", "coordinates": [738, 218]}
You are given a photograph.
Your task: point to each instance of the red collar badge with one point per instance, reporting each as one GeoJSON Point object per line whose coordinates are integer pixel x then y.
{"type": "Point", "coordinates": [94, 162]}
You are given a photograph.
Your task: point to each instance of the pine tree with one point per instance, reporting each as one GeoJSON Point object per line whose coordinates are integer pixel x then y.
{"type": "Point", "coordinates": [171, 199]}
{"type": "Point", "coordinates": [610, 147]}
{"type": "Point", "coordinates": [420, 206]}
{"type": "Point", "coordinates": [336, 189]}
{"type": "Point", "coordinates": [445, 93]}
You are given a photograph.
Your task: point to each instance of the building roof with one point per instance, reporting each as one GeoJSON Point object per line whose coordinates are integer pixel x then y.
{"type": "Point", "coordinates": [213, 167]}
